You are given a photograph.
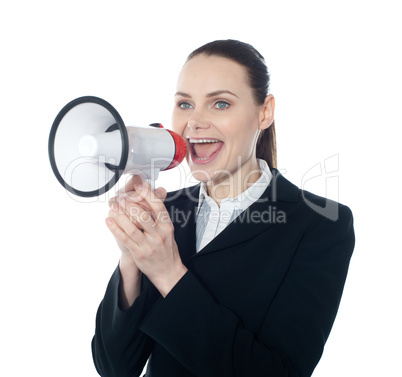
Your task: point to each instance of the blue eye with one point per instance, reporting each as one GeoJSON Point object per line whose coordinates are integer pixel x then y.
{"type": "Point", "coordinates": [221, 105]}
{"type": "Point", "coordinates": [184, 105]}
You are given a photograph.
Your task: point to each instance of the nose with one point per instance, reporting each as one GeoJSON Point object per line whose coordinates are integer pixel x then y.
{"type": "Point", "coordinates": [198, 121]}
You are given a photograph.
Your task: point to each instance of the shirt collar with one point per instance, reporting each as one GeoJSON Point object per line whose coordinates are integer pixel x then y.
{"type": "Point", "coordinates": [247, 197]}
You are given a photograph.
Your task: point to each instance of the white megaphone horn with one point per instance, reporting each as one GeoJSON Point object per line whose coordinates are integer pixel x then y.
{"type": "Point", "coordinates": [90, 148]}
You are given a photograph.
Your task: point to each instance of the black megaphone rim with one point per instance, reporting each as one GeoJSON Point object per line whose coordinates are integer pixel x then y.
{"type": "Point", "coordinates": [118, 125]}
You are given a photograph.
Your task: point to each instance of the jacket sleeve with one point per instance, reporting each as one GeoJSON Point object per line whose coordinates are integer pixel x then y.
{"type": "Point", "coordinates": [119, 348]}
{"type": "Point", "coordinates": [295, 328]}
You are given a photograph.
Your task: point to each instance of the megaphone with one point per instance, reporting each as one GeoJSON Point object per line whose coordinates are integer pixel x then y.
{"type": "Point", "coordinates": [90, 148]}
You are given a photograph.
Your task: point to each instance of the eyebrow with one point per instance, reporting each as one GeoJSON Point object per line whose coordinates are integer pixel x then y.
{"type": "Point", "coordinates": [209, 95]}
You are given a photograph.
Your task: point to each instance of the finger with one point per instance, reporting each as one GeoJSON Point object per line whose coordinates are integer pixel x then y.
{"type": "Point", "coordinates": [122, 218]}
{"type": "Point", "coordinates": [144, 217]}
{"type": "Point", "coordinates": [129, 187]}
{"type": "Point", "coordinates": [112, 201]}
{"type": "Point", "coordinates": [132, 182]}
{"type": "Point", "coordinates": [135, 196]}
{"type": "Point", "coordinates": [161, 193]}
{"type": "Point", "coordinates": [131, 225]}
{"type": "Point", "coordinates": [156, 204]}
{"type": "Point", "coordinates": [135, 184]}
{"type": "Point", "coordinates": [130, 205]}
{"type": "Point", "coordinates": [121, 235]}
{"type": "Point", "coordinates": [132, 196]}
{"type": "Point", "coordinates": [128, 202]}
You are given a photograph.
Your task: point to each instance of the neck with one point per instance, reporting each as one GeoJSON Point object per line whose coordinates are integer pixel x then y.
{"type": "Point", "coordinates": [238, 182]}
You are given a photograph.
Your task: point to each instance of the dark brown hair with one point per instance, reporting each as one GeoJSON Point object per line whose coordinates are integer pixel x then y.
{"type": "Point", "coordinates": [259, 79]}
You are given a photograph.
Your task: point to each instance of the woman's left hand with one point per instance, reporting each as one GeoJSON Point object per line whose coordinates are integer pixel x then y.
{"type": "Point", "coordinates": [149, 237]}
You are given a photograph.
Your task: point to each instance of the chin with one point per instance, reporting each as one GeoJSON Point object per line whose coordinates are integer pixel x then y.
{"type": "Point", "coordinates": [201, 174]}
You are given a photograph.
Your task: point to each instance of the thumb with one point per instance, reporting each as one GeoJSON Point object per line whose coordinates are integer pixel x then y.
{"type": "Point", "coordinates": [161, 193]}
{"type": "Point", "coordinates": [131, 183]}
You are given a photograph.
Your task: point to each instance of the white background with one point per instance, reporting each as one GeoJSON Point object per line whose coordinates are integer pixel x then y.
{"type": "Point", "coordinates": [336, 76]}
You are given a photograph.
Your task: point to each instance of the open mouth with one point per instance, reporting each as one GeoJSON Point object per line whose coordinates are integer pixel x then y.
{"type": "Point", "coordinates": [204, 150]}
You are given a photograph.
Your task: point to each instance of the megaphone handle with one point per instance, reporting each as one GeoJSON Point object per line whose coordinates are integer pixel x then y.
{"type": "Point", "coordinates": [151, 183]}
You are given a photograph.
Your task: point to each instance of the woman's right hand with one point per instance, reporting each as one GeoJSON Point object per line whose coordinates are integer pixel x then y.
{"type": "Point", "coordinates": [130, 274]}
{"type": "Point", "coordinates": [130, 193]}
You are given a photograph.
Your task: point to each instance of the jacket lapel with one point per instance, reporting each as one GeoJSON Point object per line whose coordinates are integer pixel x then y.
{"type": "Point", "coordinates": [182, 212]}
{"type": "Point", "coordinates": [274, 207]}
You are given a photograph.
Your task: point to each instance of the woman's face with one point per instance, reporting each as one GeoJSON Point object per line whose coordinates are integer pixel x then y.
{"type": "Point", "coordinates": [216, 114]}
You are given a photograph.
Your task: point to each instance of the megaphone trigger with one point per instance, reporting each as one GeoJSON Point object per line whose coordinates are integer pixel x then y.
{"type": "Point", "coordinates": [156, 125]}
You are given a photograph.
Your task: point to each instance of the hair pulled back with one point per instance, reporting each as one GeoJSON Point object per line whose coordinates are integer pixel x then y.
{"type": "Point", "coordinates": [259, 79]}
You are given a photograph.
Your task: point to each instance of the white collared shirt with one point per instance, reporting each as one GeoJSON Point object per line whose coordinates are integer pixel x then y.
{"type": "Point", "coordinates": [212, 219]}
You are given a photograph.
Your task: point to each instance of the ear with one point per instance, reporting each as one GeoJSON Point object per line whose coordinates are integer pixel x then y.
{"type": "Point", "coordinates": [267, 112]}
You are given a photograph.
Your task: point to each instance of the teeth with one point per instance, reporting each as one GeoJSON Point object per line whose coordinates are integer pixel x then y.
{"type": "Point", "coordinates": [204, 141]}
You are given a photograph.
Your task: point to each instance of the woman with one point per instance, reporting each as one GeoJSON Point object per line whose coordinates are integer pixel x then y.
{"type": "Point", "coordinates": [236, 276]}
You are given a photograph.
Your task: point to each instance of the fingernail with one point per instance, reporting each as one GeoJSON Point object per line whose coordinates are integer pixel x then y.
{"type": "Point", "coordinates": [109, 221]}
{"type": "Point", "coordinates": [115, 207]}
{"type": "Point", "coordinates": [121, 200]}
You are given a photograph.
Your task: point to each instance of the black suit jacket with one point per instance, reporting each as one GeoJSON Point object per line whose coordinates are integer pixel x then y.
{"type": "Point", "coordinates": [258, 300]}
